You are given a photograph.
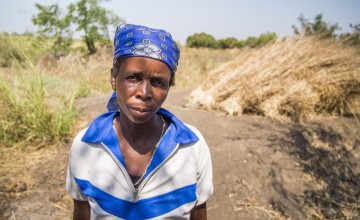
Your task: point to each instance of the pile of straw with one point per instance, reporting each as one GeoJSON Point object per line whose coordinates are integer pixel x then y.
{"type": "Point", "coordinates": [293, 79]}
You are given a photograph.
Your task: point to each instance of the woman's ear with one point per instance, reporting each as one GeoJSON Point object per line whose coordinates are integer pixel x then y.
{"type": "Point", "coordinates": [113, 83]}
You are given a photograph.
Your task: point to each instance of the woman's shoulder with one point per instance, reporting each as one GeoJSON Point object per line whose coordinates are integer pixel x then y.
{"type": "Point", "coordinates": [80, 134]}
{"type": "Point", "coordinates": [77, 142]}
{"type": "Point", "coordinates": [195, 130]}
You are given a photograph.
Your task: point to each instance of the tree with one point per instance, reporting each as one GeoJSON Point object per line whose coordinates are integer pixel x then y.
{"type": "Point", "coordinates": [251, 42]}
{"type": "Point", "coordinates": [53, 24]}
{"type": "Point", "coordinates": [201, 40]}
{"type": "Point", "coordinates": [87, 16]}
{"type": "Point", "coordinates": [352, 39]}
{"type": "Point", "coordinates": [206, 40]}
{"type": "Point", "coordinates": [318, 28]}
{"type": "Point", "coordinates": [266, 39]}
{"type": "Point", "coordinates": [240, 44]}
{"type": "Point", "coordinates": [93, 20]}
{"type": "Point", "coordinates": [229, 42]}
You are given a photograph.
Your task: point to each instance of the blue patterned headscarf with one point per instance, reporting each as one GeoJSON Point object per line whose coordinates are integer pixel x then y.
{"type": "Point", "coordinates": [134, 40]}
{"type": "Point", "coordinates": [140, 41]}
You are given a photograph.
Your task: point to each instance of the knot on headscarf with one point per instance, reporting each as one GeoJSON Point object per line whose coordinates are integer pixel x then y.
{"type": "Point", "coordinates": [140, 41]}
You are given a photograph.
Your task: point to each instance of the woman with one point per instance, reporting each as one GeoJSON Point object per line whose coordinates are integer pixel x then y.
{"type": "Point", "coordinates": [138, 161]}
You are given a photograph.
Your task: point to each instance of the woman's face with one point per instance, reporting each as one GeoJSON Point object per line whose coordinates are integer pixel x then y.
{"type": "Point", "coordinates": [141, 85]}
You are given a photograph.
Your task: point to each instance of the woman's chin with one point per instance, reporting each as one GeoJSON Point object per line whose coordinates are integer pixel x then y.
{"type": "Point", "coordinates": [141, 116]}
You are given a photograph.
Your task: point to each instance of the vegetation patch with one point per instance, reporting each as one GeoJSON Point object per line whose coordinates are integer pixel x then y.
{"type": "Point", "coordinates": [14, 49]}
{"type": "Point", "coordinates": [293, 79]}
{"type": "Point", "coordinates": [26, 116]}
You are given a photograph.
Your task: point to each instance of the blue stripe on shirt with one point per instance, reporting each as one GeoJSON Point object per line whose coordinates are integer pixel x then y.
{"type": "Point", "coordinates": [142, 209]}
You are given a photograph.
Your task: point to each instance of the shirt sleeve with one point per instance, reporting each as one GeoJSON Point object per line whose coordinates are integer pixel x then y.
{"type": "Point", "coordinates": [204, 185]}
{"type": "Point", "coordinates": [72, 187]}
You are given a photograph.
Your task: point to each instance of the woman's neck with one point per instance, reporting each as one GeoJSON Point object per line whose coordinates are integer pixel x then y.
{"type": "Point", "coordinates": [141, 137]}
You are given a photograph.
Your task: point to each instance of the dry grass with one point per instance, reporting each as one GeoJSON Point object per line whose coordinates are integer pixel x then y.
{"type": "Point", "coordinates": [90, 72]}
{"type": "Point", "coordinates": [296, 79]}
{"type": "Point", "coordinates": [195, 64]}
{"type": "Point", "coordinates": [94, 71]}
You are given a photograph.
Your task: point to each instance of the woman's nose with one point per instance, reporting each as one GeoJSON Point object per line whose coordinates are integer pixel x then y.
{"type": "Point", "coordinates": [144, 90]}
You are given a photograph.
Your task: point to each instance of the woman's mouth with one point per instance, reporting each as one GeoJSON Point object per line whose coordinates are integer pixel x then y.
{"type": "Point", "coordinates": [140, 110]}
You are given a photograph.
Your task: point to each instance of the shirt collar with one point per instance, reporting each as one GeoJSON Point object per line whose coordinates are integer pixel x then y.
{"type": "Point", "coordinates": [101, 127]}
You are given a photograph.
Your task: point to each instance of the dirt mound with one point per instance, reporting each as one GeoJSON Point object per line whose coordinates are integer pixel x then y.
{"type": "Point", "coordinates": [295, 78]}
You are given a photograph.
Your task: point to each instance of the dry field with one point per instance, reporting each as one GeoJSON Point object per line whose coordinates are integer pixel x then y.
{"type": "Point", "coordinates": [292, 152]}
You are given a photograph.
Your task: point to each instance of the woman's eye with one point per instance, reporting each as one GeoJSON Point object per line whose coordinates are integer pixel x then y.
{"type": "Point", "coordinates": [158, 82]}
{"type": "Point", "coordinates": [132, 78]}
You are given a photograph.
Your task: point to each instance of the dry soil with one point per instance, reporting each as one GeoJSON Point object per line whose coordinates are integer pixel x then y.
{"type": "Point", "coordinates": [263, 169]}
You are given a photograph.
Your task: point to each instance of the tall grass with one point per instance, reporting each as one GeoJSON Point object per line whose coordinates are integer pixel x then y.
{"type": "Point", "coordinates": [38, 90]}
{"type": "Point", "coordinates": [94, 71]}
{"type": "Point", "coordinates": [90, 72]}
{"type": "Point", "coordinates": [12, 49]}
{"type": "Point", "coordinates": [26, 118]}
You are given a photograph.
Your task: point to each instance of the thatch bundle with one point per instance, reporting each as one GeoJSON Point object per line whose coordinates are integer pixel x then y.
{"type": "Point", "coordinates": [296, 78]}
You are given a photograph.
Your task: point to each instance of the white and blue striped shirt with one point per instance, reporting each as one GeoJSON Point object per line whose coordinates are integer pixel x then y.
{"type": "Point", "coordinates": [178, 177]}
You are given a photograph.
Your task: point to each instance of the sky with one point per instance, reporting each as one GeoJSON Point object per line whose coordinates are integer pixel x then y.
{"type": "Point", "coordinates": [220, 18]}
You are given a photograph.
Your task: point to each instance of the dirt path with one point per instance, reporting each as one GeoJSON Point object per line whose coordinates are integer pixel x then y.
{"type": "Point", "coordinates": [262, 169]}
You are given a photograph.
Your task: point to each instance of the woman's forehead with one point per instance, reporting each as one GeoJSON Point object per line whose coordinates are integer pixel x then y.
{"type": "Point", "coordinates": [143, 64]}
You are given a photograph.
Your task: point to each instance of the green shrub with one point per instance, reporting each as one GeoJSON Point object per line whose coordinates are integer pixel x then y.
{"type": "Point", "coordinates": [251, 42]}
{"type": "Point", "coordinates": [240, 44]}
{"type": "Point", "coordinates": [318, 27]}
{"type": "Point", "coordinates": [229, 42]}
{"type": "Point", "coordinates": [26, 118]}
{"type": "Point", "coordinates": [266, 38]}
{"type": "Point", "coordinates": [205, 40]}
{"type": "Point", "coordinates": [262, 40]}
{"type": "Point", "coordinates": [353, 38]}
{"type": "Point", "coordinates": [201, 40]}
